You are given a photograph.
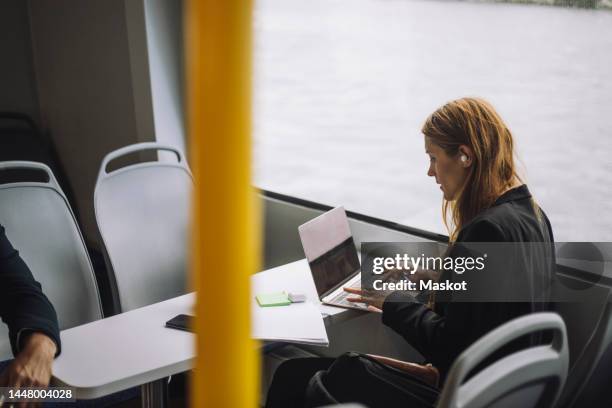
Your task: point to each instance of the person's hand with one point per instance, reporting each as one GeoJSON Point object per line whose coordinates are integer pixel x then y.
{"type": "Point", "coordinates": [420, 274]}
{"type": "Point", "coordinates": [393, 275]}
{"type": "Point", "coordinates": [32, 366]}
{"type": "Point", "coordinates": [374, 299]}
{"type": "Point", "coordinates": [428, 373]}
{"type": "Point", "coordinates": [424, 275]}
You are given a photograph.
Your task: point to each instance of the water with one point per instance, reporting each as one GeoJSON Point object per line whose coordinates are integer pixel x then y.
{"type": "Point", "coordinates": [342, 88]}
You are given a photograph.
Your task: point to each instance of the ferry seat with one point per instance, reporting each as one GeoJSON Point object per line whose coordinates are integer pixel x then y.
{"type": "Point", "coordinates": [589, 328]}
{"type": "Point", "coordinates": [40, 224]}
{"type": "Point", "coordinates": [532, 377]}
{"type": "Point", "coordinates": [142, 211]}
{"type": "Point", "coordinates": [22, 140]}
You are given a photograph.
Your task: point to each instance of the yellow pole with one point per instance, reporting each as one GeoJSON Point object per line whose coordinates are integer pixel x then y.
{"type": "Point", "coordinates": [225, 238]}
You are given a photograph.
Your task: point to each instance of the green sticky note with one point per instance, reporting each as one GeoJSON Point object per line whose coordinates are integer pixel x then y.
{"type": "Point", "coordinates": [273, 299]}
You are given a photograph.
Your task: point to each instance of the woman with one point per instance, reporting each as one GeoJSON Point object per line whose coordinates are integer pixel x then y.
{"type": "Point", "coordinates": [471, 158]}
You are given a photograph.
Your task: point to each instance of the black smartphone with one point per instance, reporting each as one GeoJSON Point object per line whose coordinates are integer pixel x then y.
{"type": "Point", "coordinates": [181, 322]}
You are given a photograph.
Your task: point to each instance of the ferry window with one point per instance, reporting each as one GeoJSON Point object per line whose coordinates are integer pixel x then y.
{"type": "Point", "coordinates": [342, 88]}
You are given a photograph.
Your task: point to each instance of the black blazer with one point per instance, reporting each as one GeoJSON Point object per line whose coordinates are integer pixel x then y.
{"type": "Point", "coordinates": [443, 333]}
{"type": "Point", "coordinates": [23, 306]}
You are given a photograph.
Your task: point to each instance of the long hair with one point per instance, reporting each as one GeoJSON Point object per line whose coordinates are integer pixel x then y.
{"type": "Point", "coordinates": [475, 123]}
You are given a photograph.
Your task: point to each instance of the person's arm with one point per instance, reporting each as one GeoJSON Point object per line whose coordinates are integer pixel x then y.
{"type": "Point", "coordinates": [23, 306]}
{"type": "Point", "coordinates": [32, 322]}
{"type": "Point", "coordinates": [440, 338]}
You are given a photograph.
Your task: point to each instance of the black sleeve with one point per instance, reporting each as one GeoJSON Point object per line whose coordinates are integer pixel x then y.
{"type": "Point", "coordinates": [441, 337]}
{"type": "Point", "coordinates": [23, 306]}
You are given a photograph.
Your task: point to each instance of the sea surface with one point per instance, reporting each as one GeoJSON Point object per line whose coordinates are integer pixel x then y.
{"type": "Point", "coordinates": [342, 88]}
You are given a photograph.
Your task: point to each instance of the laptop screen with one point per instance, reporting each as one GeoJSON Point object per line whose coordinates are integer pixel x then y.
{"type": "Point", "coordinates": [330, 249]}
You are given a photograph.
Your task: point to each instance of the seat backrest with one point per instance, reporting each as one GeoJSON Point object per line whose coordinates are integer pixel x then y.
{"type": "Point", "coordinates": [532, 377]}
{"type": "Point", "coordinates": [581, 316]}
{"type": "Point", "coordinates": [142, 211]}
{"type": "Point", "coordinates": [589, 327]}
{"type": "Point", "coordinates": [22, 140]}
{"type": "Point", "coordinates": [40, 224]}
{"type": "Point", "coordinates": [595, 390]}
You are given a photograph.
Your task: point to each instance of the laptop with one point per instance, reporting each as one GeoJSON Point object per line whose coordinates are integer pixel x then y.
{"type": "Point", "coordinates": [332, 256]}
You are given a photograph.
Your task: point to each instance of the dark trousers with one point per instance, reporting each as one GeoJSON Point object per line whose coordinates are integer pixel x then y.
{"type": "Point", "coordinates": [290, 381]}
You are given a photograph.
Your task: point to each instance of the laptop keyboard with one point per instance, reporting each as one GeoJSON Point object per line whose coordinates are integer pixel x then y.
{"type": "Point", "coordinates": [340, 298]}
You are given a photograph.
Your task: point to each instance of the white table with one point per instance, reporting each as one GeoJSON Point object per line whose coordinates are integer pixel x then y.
{"type": "Point", "coordinates": [126, 350]}
{"type": "Point", "coordinates": [134, 348]}
{"type": "Point", "coordinates": [296, 277]}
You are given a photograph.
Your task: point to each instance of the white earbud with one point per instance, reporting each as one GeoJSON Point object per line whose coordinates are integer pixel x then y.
{"type": "Point", "coordinates": [464, 158]}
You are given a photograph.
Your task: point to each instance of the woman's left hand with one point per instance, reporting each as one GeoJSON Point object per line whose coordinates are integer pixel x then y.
{"type": "Point", "coordinates": [374, 299]}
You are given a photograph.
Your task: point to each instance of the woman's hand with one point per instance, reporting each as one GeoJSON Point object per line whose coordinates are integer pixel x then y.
{"type": "Point", "coordinates": [32, 366]}
{"type": "Point", "coordinates": [412, 274]}
{"type": "Point", "coordinates": [428, 373]}
{"type": "Point", "coordinates": [373, 298]}
{"type": "Point", "coordinates": [424, 275]}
